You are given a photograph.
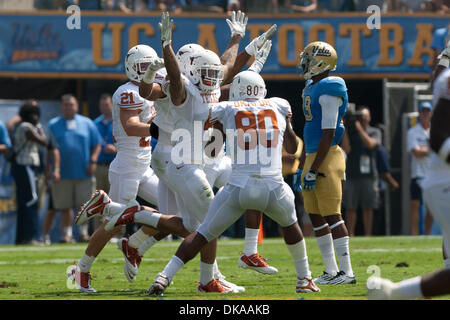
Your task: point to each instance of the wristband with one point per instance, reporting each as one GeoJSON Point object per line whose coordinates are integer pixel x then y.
{"type": "Point", "coordinates": [256, 66]}
{"type": "Point", "coordinates": [93, 162]}
{"type": "Point", "coordinates": [444, 151]}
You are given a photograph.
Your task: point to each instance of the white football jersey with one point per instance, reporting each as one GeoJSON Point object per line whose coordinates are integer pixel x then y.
{"type": "Point", "coordinates": [254, 132]}
{"type": "Point", "coordinates": [189, 121]}
{"type": "Point", "coordinates": [163, 118]}
{"type": "Point", "coordinates": [127, 97]}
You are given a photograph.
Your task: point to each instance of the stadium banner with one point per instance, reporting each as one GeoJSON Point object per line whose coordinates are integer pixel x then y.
{"type": "Point", "coordinates": [90, 44]}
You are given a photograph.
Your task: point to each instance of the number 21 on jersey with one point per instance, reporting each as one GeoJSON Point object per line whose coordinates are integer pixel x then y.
{"type": "Point", "coordinates": [307, 108]}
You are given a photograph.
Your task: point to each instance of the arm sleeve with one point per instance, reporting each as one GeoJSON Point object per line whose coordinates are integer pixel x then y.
{"type": "Point", "coordinates": [96, 137]}
{"type": "Point", "coordinates": [131, 100]}
{"type": "Point", "coordinates": [330, 110]}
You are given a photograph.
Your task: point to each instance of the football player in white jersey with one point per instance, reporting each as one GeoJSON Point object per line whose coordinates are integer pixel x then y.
{"type": "Point", "coordinates": [256, 130]}
{"type": "Point", "coordinates": [436, 186]}
{"type": "Point", "coordinates": [129, 173]}
{"type": "Point", "coordinates": [217, 170]}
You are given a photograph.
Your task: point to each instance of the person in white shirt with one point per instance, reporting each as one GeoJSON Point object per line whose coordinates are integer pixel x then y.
{"type": "Point", "coordinates": [417, 144]}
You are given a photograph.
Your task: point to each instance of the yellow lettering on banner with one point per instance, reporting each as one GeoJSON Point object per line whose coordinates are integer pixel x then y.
{"type": "Point", "coordinates": [3, 206]}
{"type": "Point", "coordinates": [422, 46]}
{"type": "Point", "coordinates": [97, 44]}
{"type": "Point", "coordinates": [283, 58]}
{"type": "Point", "coordinates": [255, 31]}
{"type": "Point", "coordinates": [133, 33]}
{"type": "Point", "coordinates": [354, 30]}
{"type": "Point", "coordinates": [329, 33]}
{"type": "Point", "coordinates": [206, 37]}
{"type": "Point", "coordinates": [395, 44]}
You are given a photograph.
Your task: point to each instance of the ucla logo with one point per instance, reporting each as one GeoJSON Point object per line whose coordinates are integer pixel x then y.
{"type": "Point", "coordinates": [322, 52]}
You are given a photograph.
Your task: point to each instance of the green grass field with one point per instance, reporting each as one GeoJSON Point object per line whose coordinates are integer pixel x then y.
{"type": "Point", "coordinates": [39, 272]}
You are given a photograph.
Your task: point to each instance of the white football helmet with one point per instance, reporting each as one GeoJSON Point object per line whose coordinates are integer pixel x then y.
{"type": "Point", "coordinates": [183, 57]}
{"type": "Point", "coordinates": [247, 85]}
{"type": "Point", "coordinates": [207, 70]}
{"type": "Point", "coordinates": [137, 61]}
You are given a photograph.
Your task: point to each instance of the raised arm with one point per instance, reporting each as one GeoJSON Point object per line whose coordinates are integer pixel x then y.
{"type": "Point", "coordinates": [177, 88]}
{"type": "Point", "coordinates": [237, 25]}
{"type": "Point", "coordinates": [257, 48]}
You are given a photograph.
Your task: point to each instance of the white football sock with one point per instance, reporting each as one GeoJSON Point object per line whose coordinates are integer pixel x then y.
{"type": "Point", "coordinates": [85, 263]}
{"type": "Point", "coordinates": [251, 241]}
{"type": "Point", "coordinates": [137, 239]}
{"type": "Point", "coordinates": [447, 263]}
{"type": "Point", "coordinates": [408, 289]}
{"type": "Point", "coordinates": [174, 265]}
{"type": "Point", "coordinates": [113, 208]}
{"type": "Point", "coordinates": [326, 247]}
{"type": "Point", "coordinates": [343, 255]}
{"type": "Point", "coordinates": [206, 272]}
{"type": "Point", "coordinates": [147, 217]}
{"type": "Point", "coordinates": [147, 244]}
{"type": "Point", "coordinates": [217, 273]}
{"type": "Point", "coordinates": [298, 253]}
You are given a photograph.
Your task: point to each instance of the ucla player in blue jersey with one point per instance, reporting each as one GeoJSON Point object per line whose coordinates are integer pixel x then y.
{"type": "Point", "coordinates": [322, 165]}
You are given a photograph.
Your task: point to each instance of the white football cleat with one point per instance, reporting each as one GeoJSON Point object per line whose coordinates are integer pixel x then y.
{"type": "Point", "coordinates": [342, 278]}
{"type": "Point", "coordinates": [125, 217]}
{"type": "Point", "coordinates": [234, 287]}
{"type": "Point", "coordinates": [82, 279]}
{"type": "Point", "coordinates": [132, 259]}
{"type": "Point", "coordinates": [214, 285]}
{"type": "Point", "coordinates": [325, 278]}
{"type": "Point", "coordinates": [95, 206]}
{"type": "Point", "coordinates": [159, 285]}
{"type": "Point", "coordinates": [381, 289]}
{"type": "Point", "coordinates": [256, 262]}
{"type": "Point", "coordinates": [306, 285]}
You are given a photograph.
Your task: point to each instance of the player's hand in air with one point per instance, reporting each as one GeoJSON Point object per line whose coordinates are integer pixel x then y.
{"type": "Point", "coordinates": [237, 24]}
{"type": "Point", "coordinates": [297, 180]}
{"type": "Point", "coordinates": [166, 25]}
{"type": "Point", "coordinates": [262, 54]}
{"type": "Point", "coordinates": [256, 44]}
{"type": "Point", "coordinates": [155, 64]}
{"type": "Point", "coordinates": [309, 181]}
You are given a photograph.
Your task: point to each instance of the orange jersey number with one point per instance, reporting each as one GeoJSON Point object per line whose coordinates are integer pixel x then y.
{"type": "Point", "coordinates": [246, 124]}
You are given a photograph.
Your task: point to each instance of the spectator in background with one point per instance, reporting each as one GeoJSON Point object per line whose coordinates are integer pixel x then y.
{"type": "Point", "coordinates": [303, 6]}
{"type": "Point", "coordinates": [79, 144]}
{"type": "Point", "coordinates": [108, 149]}
{"type": "Point", "coordinates": [85, 4]}
{"type": "Point", "coordinates": [362, 5]}
{"type": "Point", "coordinates": [5, 142]}
{"type": "Point", "coordinates": [217, 6]}
{"type": "Point", "coordinates": [418, 145]}
{"type": "Point", "coordinates": [234, 5]}
{"type": "Point", "coordinates": [336, 5]}
{"type": "Point", "coordinates": [27, 136]}
{"type": "Point", "coordinates": [52, 174]}
{"type": "Point", "coordinates": [361, 189]}
{"type": "Point", "coordinates": [175, 6]}
{"type": "Point", "coordinates": [15, 120]}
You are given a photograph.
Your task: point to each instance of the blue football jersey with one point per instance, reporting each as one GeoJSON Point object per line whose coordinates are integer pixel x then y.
{"type": "Point", "coordinates": [312, 132]}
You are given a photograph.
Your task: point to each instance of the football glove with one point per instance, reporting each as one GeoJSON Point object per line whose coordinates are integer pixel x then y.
{"type": "Point", "coordinates": [309, 181]}
{"type": "Point", "coordinates": [297, 179]}
{"type": "Point", "coordinates": [257, 43]}
{"type": "Point", "coordinates": [166, 25]}
{"type": "Point", "coordinates": [238, 23]}
{"type": "Point", "coordinates": [155, 64]}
